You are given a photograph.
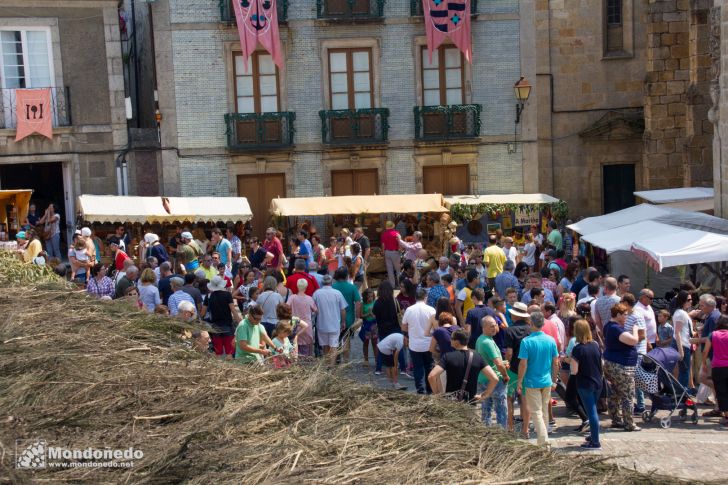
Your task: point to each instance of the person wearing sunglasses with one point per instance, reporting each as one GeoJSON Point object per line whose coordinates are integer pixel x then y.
{"type": "Point", "coordinates": [644, 306]}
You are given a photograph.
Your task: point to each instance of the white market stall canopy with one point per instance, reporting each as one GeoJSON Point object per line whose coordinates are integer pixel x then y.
{"type": "Point", "coordinates": [357, 204]}
{"type": "Point", "coordinates": [687, 198]}
{"type": "Point", "coordinates": [524, 199]}
{"type": "Point", "coordinates": [630, 215]}
{"type": "Point", "coordinates": [620, 238]}
{"type": "Point", "coordinates": [685, 247]}
{"type": "Point", "coordinates": [115, 208]}
{"type": "Point", "coordinates": [663, 236]}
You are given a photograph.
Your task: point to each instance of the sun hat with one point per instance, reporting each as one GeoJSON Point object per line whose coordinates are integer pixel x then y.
{"type": "Point", "coordinates": [520, 310]}
{"type": "Point", "coordinates": [21, 235]}
{"type": "Point", "coordinates": [186, 235]}
{"type": "Point", "coordinates": [217, 283]}
{"type": "Point", "coordinates": [150, 238]}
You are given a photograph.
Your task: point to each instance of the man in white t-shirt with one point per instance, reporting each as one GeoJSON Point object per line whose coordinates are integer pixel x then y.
{"type": "Point", "coordinates": [416, 324]}
{"type": "Point", "coordinates": [644, 306]}
{"type": "Point", "coordinates": [510, 251]}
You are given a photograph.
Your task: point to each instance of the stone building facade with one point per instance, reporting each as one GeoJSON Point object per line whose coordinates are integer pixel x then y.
{"type": "Point", "coordinates": [71, 46]}
{"type": "Point", "coordinates": [590, 96]}
{"type": "Point", "coordinates": [623, 99]}
{"type": "Point", "coordinates": [199, 82]}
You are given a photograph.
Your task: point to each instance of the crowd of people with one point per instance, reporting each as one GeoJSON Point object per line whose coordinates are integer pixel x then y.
{"type": "Point", "coordinates": [496, 325]}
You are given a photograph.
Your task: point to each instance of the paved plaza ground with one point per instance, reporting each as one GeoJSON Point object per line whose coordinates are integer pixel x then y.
{"type": "Point", "coordinates": [685, 450]}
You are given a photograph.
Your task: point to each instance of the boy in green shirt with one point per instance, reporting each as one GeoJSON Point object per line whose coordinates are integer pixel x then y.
{"type": "Point", "coordinates": [248, 337]}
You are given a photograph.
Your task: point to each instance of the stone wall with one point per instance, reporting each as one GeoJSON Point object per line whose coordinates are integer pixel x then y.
{"type": "Point", "coordinates": [677, 138]}
{"type": "Point", "coordinates": [583, 93]}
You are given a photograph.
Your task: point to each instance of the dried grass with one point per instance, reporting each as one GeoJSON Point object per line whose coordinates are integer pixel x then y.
{"type": "Point", "coordinates": [77, 372]}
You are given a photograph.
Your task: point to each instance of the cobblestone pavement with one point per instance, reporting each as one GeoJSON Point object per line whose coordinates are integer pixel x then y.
{"type": "Point", "coordinates": [685, 450]}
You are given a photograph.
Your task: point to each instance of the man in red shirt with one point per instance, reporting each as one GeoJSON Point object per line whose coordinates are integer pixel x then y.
{"type": "Point", "coordinates": [119, 255]}
{"type": "Point", "coordinates": [299, 273]}
{"type": "Point", "coordinates": [390, 248]}
{"type": "Point", "coordinates": [273, 245]}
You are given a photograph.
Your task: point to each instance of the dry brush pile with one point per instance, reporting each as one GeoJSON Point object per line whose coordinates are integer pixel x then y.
{"type": "Point", "coordinates": [78, 372]}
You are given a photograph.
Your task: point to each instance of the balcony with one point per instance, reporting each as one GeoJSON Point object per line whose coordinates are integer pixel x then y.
{"type": "Point", "coordinates": [437, 123]}
{"type": "Point", "coordinates": [60, 107]}
{"type": "Point", "coordinates": [354, 127]}
{"type": "Point", "coordinates": [227, 13]}
{"type": "Point", "coordinates": [350, 10]}
{"type": "Point", "coordinates": [253, 131]}
{"type": "Point", "coordinates": [416, 9]}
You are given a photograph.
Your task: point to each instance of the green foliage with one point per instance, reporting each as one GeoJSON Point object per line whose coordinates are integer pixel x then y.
{"type": "Point", "coordinates": [560, 211]}
{"type": "Point", "coordinates": [462, 213]}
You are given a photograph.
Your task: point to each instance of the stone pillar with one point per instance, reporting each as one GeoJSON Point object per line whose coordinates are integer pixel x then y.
{"type": "Point", "coordinates": [677, 134]}
{"type": "Point", "coordinates": [698, 156]}
{"type": "Point", "coordinates": [719, 111]}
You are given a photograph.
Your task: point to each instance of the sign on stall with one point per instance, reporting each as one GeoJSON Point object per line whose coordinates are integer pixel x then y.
{"type": "Point", "coordinates": [526, 217]}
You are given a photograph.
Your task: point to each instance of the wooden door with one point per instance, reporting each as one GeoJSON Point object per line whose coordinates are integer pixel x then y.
{"type": "Point", "coordinates": [446, 180]}
{"type": "Point", "coordinates": [354, 182]}
{"type": "Point", "coordinates": [618, 187]}
{"type": "Point", "coordinates": [260, 190]}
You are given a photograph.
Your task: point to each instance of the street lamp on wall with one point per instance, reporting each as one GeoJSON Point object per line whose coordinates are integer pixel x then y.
{"type": "Point", "coordinates": [522, 90]}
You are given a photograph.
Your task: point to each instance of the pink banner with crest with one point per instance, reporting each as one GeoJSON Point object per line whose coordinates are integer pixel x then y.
{"type": "Point", "coordinates": [448, 19]}
{"type": "Point", "coordinates": [258, 22]}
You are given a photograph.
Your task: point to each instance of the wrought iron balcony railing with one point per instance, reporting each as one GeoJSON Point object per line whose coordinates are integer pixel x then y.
{"type": "Point", "coordinates": [251, 131]}
{"type": "Point", "coordinates": [60, 107]}
{"type": "Point", "coordinates": [416, 9]}
{"type": "Point", "coordinates": [354, 127]}
{"type": "Point", "coordinates": [433, 123]}
{"type": "Point", "coordinates": [227, 13]}
{"type": "Point", "coordinates": [350, 10]}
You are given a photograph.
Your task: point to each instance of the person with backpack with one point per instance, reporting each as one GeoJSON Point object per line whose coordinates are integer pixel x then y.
{"type": "Point", "coordinates": [463, 366]}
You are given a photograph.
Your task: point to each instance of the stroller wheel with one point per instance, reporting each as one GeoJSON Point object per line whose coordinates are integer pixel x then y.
{"type": "Point", "coordinates": [695, 418]}
{"type": "Point", "coordinates": [665, 422]}
{"type": "Point", "coordinates": [646, 416]}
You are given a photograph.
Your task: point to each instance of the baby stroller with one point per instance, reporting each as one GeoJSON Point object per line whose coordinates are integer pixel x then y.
{"type": "Point", "coordinates": [654, 377]}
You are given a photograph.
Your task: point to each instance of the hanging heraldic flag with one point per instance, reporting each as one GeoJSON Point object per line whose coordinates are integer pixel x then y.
{"type": "Point", "coordinates": [33, 113]}
{"type": "Point", "coordinates": [448, 18]}
{"type": "Point", "coordinates": [258, 22]}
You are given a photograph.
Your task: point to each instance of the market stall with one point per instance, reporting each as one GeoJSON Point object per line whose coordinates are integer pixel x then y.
{"type": "Point", "coordinates": [697, 199]}
{"type": "Point", "coordinates": [161, 215]}
{"type": "Point", "coordinates": [423, 212]}
{"type": "Point", "coordinates": [13, 212]}
{"type": "Point", "coordinates": [513, 214]}
{"type": "Point", "coordinates": [656, 244]}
